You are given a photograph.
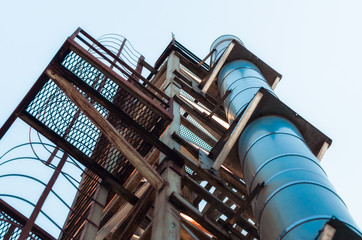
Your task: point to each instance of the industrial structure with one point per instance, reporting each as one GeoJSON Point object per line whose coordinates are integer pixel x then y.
{"type": "Point", "coordinates": [179, 150]}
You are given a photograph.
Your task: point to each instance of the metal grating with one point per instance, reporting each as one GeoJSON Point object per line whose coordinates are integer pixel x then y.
{"type": "Point", "coordinates": [11, 229]}
{"type": "Point", "coordinates": [192, 137]}
{"type": "Point", "coordinates": [54, 109]}
{"type": "Point", "coordinates": [118, 92]}
{"type": "Point", "coordinates": [191, 119]}
{"type": "Point", "coordinates": [57, 112]}
{"type": "Point", "coordinates": [111, 91]}
{"type": "Point", "coordinates": [6, 222]}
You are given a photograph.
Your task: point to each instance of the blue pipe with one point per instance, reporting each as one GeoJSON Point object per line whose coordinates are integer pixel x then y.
{"type": "Point", "coordinates": [297, 199]}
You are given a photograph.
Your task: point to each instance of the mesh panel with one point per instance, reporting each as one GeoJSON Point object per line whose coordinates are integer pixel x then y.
{"type": "Point", "coordinates": [60, 114]}
{"type": "Point", "coordinates": [191, 119]}
{"type": "Point", "coordinates": [192, 137]}
{"type": "Point", "coordinates": [192, 99]}
{"type": "Point", "coordinates": [111, 91]}
{"type": "Point", "coordinates": [189, 170]}
{"type": "Point", "coordinates": [57, 112]}
{"type": "Point", "coordinates": [5, 224]}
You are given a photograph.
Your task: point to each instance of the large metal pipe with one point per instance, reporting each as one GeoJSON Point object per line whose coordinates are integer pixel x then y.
{"type": "Point", "coordinates": [297, 199]}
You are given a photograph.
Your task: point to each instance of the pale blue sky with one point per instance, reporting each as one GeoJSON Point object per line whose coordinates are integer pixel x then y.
{"type": "Point", "coordinates": [315, 45]}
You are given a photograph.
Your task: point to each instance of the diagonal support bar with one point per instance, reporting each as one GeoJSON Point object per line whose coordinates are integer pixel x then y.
{"type": "Point", "coordinates": [217, 106]}
{"type": "Point", "coordinates": [187, 208]}
{"type": "Point", "coordinates": [243, 207]}
{"type": "Point", "coordinates": [323, 150]}
{"type": "Point", "coordinates": [237, 131]}
{"type": "Point", "coordinates": [217, 68]}
{"type": "Point", "coordinates": [108, 130]}
{"type": "Point", "coordinates": [207, 56]}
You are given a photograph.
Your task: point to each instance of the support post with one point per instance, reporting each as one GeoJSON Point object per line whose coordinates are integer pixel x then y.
{"type": "Point", "coordinates": [95, 214]}
{"type": "Point", "coordinates": [217, 68]}
{"type": "Point", "coordinates": [237, 131]}
{"type": "Point", "coordinates": [166, 222]}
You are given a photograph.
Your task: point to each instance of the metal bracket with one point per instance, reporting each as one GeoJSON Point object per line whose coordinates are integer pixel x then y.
{"type": "Point", "coordinates": [219, 103]}
{"type": "Point", "coordinates": [243, 207]}
{"type": "Point", "coordinates": [218, 67]}
{"type": "Point", "coordinates": [237, 131]}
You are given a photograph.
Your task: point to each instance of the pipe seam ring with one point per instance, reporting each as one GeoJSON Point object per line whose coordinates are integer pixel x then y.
{"type": "Point", "coordinates": [243, 77]}
{"type": "Point", "coordinates": [293, 183]}
{"type": "Point", "coordinates": [228, 106]}
{"type": "Point", "coordinates": [263, 136]}
{"type": "Point", "coordinates": [244, 67]}
{"type": "Point", "coordinates": [281, 156]}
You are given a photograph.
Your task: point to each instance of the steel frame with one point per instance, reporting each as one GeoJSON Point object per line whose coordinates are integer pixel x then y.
{"type": "Point", "coordinates": [220, 209]}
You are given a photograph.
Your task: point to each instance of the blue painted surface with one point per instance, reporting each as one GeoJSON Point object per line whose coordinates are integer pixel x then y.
{"type": "Point", "coordinates": [297, 199]}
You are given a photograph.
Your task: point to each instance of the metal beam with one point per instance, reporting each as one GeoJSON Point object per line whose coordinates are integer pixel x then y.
{"type": "Point", "coordinates": [96, 96]}
{"type": "Point", "coordinates": [109, 180]}
{"type": "Point", "coordinates": [166, 220]}
{"type": "Point", "coordinates": [237, 131]}
{"type": "Point", "coordinates": [135, 216]}
{"type": "Point", "coordinates": [108, 130]}
{"type": "Point", "coordinates": [217, 68]}
{"type": "Point", "coordinates": [191, 211]}
{"type": "Point", "coordinates": [109, 228]}
{"type": "Point", "coordinates": [210, 125]}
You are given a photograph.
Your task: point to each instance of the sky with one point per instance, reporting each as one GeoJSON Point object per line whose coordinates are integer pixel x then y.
{"type": "Point", "coordinates": [315, 45]}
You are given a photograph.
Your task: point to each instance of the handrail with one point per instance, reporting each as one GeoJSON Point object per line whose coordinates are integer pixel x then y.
{"type": "Point", "coordinates": [178, 47]}
{"type": "Point", "coordinates": [132, 76]}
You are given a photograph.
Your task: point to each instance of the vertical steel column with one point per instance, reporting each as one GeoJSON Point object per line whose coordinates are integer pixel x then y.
{"type": "Point", "coordinates": [166, 219]}
{"type": "Point", "coordinates": [297, 199]}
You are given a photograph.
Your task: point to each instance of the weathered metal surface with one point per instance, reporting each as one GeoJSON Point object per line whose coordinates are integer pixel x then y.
{"type": "Point", "coordinates": [114, 89]}
{"type": "Point", "coordinates": [166, 220]}
{"type": "Point", "coordinates": [127, 108]}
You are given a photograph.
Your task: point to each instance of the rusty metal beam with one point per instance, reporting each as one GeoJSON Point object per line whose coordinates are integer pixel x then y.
{"type": "Point", "coordinates": [191, 211]}
{"type": "Point", "coordinates": [215, 181]}
{"type": "Point", "coordinates": [96, 96]}
{"type": "Point", "coordinates": [135, 216]}
{"type": "Point", "coordinates": [210, 125]}
{"type": "Point", "coordinates": [166, 222]}
{"type": "Point", "coordinates": [246, 204]}
{"type": "Point", "coordinates": [199, 233]}
{"type": "Point", "coordinates": [108, 179]}
{"type": "Point", "coordinates": [128, 86]}
{"type": "Point", "coordinates": [108, 130]}
{"type": "Point", "coordinates": [24, 103]}
{"type": "Point", "coordinates": [130, 185]}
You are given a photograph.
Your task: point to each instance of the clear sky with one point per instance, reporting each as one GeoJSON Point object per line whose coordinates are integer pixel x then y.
{"type": "Point", "coordinates": [315, 45]}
